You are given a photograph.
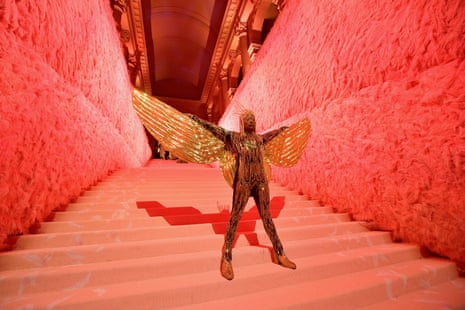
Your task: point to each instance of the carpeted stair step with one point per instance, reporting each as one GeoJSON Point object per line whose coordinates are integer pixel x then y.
{"type": "Point", "coordinates": [82, 254]}
{"type": "Point", "coordinates": [272, 287]}
{"type": "Point", "coordinates": [89, 213]}
{"type": "Point", "coordinates": [109, 224]}
{"type": "Point", "coordinates": [200, 189]}
{"type": "Point", "coordinates": [171, 199]}
{"type": "Point", "coordinates": [103, 273]}
{"type": "Point", "coordinates": [446, 295]}
{"type": "Point", "coordinates": [347, 291]}
{"type": "Point", "coordinates": [208, 203]}
{"type": "Point", "coordinates": [306, 215]}
{"type": "Point", "coordinates": [66, 239]}
{"type": "Point", "coordinates": [119, 251]}
{"type": "Point", "coordinates": [61, 216]}
{"type": "Point", "coordinates": [61, 239]}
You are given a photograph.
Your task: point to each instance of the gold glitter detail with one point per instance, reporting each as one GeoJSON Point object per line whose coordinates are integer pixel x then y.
{"type": "Point", "coordinates": [285, 149]}
{"type": "Point", "coordinates": [190, 141]}
{"type": "Point", "coordinates": [176, 131]}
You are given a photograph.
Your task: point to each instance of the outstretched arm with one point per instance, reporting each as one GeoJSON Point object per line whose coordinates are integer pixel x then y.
{"type": "Point", "coordinates": [217, 131]}
{"type": "Point", "coordinates": [271, 134]}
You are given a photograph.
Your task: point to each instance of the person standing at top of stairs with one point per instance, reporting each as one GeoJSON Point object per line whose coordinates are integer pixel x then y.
{"type": "Point", "coordinates": [250, 180]}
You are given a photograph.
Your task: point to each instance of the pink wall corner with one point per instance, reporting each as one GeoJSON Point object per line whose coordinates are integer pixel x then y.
{"type": "Point", "coordinates": [66, 114]}
{"type": "Point", "coordinates": [382, 84]}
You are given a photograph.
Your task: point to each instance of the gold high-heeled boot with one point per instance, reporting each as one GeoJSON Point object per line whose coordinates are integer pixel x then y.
{"type": "Point", "coordinates": [283, 261]}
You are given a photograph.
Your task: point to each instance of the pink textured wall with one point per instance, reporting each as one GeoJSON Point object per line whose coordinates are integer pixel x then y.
{"type": "Point", "coordinates": [65, 106]}
{"type": "Point", "coordinates": [383, 83]}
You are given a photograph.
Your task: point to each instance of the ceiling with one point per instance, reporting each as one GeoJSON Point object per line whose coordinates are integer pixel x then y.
{"type": "Point", "coordinates": [183, 35]}
{"type": "Point", "coordinates": [183, 51]}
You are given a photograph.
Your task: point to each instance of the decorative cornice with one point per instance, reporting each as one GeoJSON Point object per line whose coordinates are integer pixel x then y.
{"type": "Point", "coordinates": [222, 45]}
{"type": "Point", "coordinates": [136, 21]}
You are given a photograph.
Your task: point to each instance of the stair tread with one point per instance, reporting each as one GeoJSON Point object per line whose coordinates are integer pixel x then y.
{"type": "Point", "coordinates": [124, 213]}
{"type": "Point", "coordinates": [96, 206]}
{"type": "Point", "coordinates": [318, 266]}
{"type": "Point", "coordinates": [118, 251]}
{"type": "Point", "coordinates": [307, 216]}
{"type": "Point", "coordinates": [355, 289]}
{"type": "Point", "coordinates": [446, 295]}
{"type": "Point", "coordinates": [271, 286]}
{"type": "Point", "coordinates": [287, 227]}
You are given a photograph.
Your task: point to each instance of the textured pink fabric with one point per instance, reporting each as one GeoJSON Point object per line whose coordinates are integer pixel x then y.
{"type": "Point", "coordinates": [383, 84]}
{"type": "Point", "coordinates": [65, 105]}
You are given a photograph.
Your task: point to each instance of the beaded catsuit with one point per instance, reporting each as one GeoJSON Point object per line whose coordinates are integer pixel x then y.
{"type": "Point", "coordinates": [250, 179]}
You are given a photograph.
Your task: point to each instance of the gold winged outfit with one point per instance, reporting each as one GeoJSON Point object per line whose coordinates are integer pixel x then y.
{"type": "Point", "coordinates": [244, 157]}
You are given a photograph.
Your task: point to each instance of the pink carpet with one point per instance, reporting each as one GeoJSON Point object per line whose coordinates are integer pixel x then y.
{"type": "Point", "coordinates": [151, 237]}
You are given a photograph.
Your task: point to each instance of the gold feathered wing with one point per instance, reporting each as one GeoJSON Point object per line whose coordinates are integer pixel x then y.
{"type": "Point", "coordinates": [176, 131]}
{"type": "Point", "coordinates": [228, 167]}
{"type": "Point", "coordinates": [287, 147]}
{"type": "Point", "coordinates": [189, 141]}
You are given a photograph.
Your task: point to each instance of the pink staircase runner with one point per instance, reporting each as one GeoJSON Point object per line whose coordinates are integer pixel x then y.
{"type": "Point", "coordinates": [150, 238]}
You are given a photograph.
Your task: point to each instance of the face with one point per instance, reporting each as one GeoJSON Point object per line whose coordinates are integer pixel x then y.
{"type": "Point", "coordinates": [248, 121]}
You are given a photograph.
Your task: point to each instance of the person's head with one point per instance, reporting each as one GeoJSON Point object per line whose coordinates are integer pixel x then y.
{"type": "Point", "coordinates": [247, 121]}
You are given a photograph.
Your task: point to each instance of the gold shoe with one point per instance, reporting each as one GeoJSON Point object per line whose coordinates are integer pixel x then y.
{"type": "Point", "coordinates": [284, 261]}
{"type": "Point", "coordinates": [227, 269]}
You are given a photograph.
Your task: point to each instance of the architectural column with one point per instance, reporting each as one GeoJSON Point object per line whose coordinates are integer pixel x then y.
{"type": "Point", "coordinates": [241, 32]}
{"type": "Point", "coordinates": [216, 105]}
{"type": "Point", "coordinates": [224, 87]}
{"type": "Point", "coordinates": [235, 64]}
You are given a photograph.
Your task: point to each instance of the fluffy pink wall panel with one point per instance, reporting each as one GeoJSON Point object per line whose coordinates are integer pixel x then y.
{"type": "Point", "coordinates": [65, 106]}
{"type": "Point", "coordinates": [383, 84]}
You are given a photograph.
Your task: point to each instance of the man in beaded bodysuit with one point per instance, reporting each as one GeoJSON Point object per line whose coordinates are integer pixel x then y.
{"type": "Point", "coordinates": [250, 180]}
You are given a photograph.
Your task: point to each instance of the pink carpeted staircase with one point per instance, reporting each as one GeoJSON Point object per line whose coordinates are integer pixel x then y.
{"type": "Point", "coordinates": [151, 238]}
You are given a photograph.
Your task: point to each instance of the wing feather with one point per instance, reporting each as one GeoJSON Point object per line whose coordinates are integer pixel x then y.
{"type": "Point", "coordinates": [287, 147]}
{"type": "Point", "coordinates": [176, 131]}
{"type": "Point", "coordinates": [228, 166]}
